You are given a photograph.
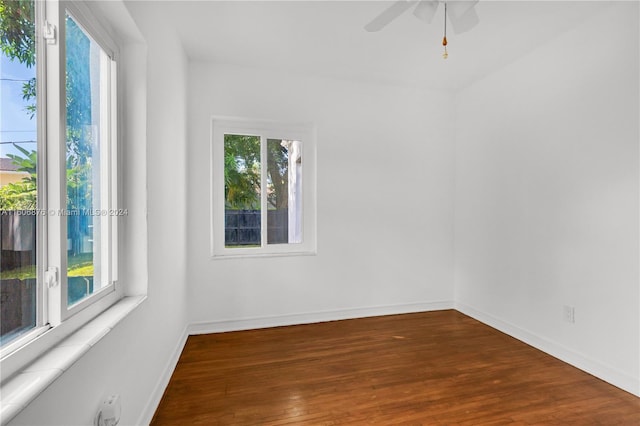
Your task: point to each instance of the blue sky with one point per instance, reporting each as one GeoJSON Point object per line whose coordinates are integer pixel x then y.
{"type": "Point", "coordinates": [15, 124]}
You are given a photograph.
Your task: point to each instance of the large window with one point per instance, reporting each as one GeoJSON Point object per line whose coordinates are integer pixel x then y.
{"type": "Point", "coordinates": [19, 295]}
{"type": "Point", "coordinates": [58, 198]}
{"type": "Point", "coordinates": [263, 188]}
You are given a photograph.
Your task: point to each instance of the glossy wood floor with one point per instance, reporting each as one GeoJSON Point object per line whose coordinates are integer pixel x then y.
{"type": "Point", "coordinates": [435, 368]}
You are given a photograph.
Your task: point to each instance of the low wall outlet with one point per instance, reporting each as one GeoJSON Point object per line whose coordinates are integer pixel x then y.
{"type": "Point", "coordinates": [109, 412]}
{"type": "Point", "coordinates": [569, 314]}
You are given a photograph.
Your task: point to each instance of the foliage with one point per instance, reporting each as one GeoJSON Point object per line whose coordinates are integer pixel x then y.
{"type": "Point", "coordinates": [78, 86]}
{"type": "Point", "coordinates": [17, 40]}
{"type": "Point", "coordinates": [79, 187]}
{"type": "Point", "coordinates": [21, 195]}
{"type": "Point", "coordinates": [23, 273]}
{"type": "Point", "coordinates": [80, 134]}
{"type": "Point", "coordinates": [242, 172]}
{"type": "Point", "coordinates": [278, 173]}
{"type": "Point", "coordinates": [28, 93]}
{"type": "Point", "coordinates": [27, 164]}
{"type": "Point", "coordinates": [18, 196]}
{"type": "Point", "coordinates": [78, 266]}
{"type": "Point", "coordinates": [17, 30]}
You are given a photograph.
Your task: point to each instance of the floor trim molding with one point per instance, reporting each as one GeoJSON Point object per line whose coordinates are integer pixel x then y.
{"type": "Point", "coordinates": [220, 326]}
{"type": "Point", "coordinates": [162, 383]}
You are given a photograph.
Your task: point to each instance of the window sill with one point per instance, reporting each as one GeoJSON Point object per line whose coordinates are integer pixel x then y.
{"type": "Point", "coordinates": [32, 380]}
{"type": "Point", "coordinates": [247, 254]}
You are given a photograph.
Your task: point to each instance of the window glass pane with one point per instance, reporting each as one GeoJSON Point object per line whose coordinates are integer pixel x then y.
{"type": "Point", "coordinates": [284, 191]}
{"type": "Point", "coordinates": [84, 81]}
{"type": "Point", "coordinates": [18, 147]}
{"type": "Point", "coordinates": [242, 172]}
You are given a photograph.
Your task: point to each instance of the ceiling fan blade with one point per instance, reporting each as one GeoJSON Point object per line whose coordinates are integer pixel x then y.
{"type": "Point", "coordinates": [389, 14]}
{"type": "Point", "coordinates": [464, 23]}
{"type": "Point", "coordinates": [458, 8]}
{"type": "Point", "coordinates": [426, 9]}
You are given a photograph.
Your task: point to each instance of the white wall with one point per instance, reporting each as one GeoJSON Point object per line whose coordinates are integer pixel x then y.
{"type": "Point", "coordinates": [385, 213]}
{"type": "Point", "coordinates": [547, 197]}
{"type": "Point", "coordinates": [546, 193]}
{"type": "Point", "coordinates": [132, 358]}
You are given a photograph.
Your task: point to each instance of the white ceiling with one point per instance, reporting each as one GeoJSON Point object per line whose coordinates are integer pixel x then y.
{"type": "Point", "coordinates": [327, 37]}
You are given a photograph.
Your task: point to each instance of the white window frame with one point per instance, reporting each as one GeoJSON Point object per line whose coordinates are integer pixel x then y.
{"type": "Point", "coordinates": [54, 319]}
{"type": "Point", "coordinates": [56, 135]}
{"type": "Point", "coordinates": [265, 129]}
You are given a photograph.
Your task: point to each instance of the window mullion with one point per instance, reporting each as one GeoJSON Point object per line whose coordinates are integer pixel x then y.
{"type": "Point", "coordinates": [41, 168]}
{"type": "Point", "coordinates": [263, 191]}
{"type": "Point", "coordinates": [113, 168]}
{"type": "Point", "coordinates": [55, 164]}
{"type": "Point", "coordinates": [105, 139]}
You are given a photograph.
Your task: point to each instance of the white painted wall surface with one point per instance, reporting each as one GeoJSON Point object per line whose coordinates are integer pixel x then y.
{"type": "Point", "coordinates": [385, 193]}
{"type": "Point", "coordinates": [547, 197]}
{"type": "Point", "coordinates": [133, 357]}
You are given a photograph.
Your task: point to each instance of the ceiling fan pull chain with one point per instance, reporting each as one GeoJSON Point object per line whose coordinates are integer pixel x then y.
{"type": "Point", "coordinates": [445, 55]}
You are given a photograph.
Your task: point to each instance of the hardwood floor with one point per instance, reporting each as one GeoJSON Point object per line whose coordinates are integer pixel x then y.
{"type": "Point", "coordinates": [434, 368]}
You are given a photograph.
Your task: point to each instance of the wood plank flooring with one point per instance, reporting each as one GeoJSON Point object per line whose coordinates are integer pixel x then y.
{"type": "Point", "coordinates": [433, 368]}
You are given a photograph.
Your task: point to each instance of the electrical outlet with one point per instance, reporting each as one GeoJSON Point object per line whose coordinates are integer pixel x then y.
{"type": "Point", "coordinates": [109, 412]}
{"type": "Point", "coordinates": [569, 314]}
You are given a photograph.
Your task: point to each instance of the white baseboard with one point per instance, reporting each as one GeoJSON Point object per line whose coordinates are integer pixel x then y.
{"type": "Point", "coordinates": [313, 317]}
{"type": "Point", "coordinates": [584, 363]}
{"type": "Point", "coordinates": [162, 383]}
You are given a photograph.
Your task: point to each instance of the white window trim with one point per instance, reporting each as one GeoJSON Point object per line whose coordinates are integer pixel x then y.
{"type": "Point", "coordinates": [54, 321]}
{"type": "Point", "coordinates": [221, 125]}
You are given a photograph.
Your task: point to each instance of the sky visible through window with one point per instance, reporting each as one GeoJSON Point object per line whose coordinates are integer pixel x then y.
{"type": "Point", "coordinates": [16, 124]}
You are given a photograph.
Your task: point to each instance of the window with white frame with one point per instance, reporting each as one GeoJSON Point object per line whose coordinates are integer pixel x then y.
{"type": "Point", "coordinates": [58, 193]}
{"type": "Point", "coordinates": [263, 184]}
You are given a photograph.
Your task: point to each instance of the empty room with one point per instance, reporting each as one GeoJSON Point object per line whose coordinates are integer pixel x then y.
{"type": "Point", "coordinates": [320, 212]}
